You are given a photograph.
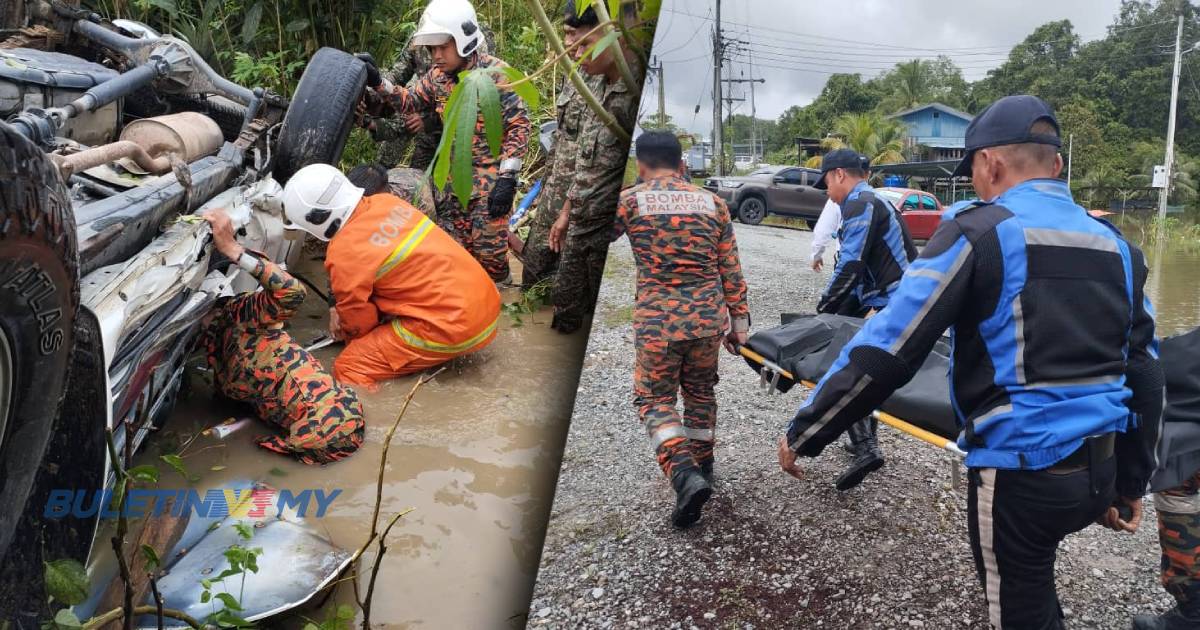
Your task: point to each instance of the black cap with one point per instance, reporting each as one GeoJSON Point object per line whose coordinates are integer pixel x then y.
{"type": "Point", "coordinates": [1008, 121]}
{"type": "Point", "coordinates": [841, 158]}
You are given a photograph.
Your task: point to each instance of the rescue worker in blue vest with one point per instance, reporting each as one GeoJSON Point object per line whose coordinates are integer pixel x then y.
{"type": "Point", "coordinates": [1054, 375]}
{"type": "Point", "coordinates": [875, 249]}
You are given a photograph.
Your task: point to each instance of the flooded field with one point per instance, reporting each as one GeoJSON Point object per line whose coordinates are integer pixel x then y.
{"type": "Point", "coordinates": [475, 456]}
{"type": "Point", "coordinates": [1173, 287]}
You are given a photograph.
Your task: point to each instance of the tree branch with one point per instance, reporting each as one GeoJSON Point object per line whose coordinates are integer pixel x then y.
{"type": "Point", "coordinates": [556, 44]}
{"type": "Point", "coordinates": [117, 613]}
{"type": "Point", "coordinates": [366, 624]}
{"type": "Point", "coordinates": [619, 50]}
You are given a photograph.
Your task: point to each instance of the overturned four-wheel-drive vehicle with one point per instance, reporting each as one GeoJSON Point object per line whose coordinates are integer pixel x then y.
{"type": "Point", "coordinates": [115, 138]}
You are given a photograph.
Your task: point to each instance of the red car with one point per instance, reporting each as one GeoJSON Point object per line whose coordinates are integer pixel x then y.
{"type": "Point", "coordinates": [921, 210]}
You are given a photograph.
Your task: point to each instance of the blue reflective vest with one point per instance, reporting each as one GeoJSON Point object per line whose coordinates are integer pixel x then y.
{"type": "Point", "coordinates": [1050, 328]}
{"type": "Point", "coordinates": [874, 249]}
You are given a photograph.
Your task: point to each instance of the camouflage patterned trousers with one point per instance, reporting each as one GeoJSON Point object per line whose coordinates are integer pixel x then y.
{"type": "Point", "coordinates": [1179, 536]}
{"type": "Point", "coordinates": [486, 238]}
{"type": "Point", "coordinates": [580, 270]}
{"type": "Point", "coordinates": [664, 369]}
{"type": "Point", "coordinates": [538, 260]}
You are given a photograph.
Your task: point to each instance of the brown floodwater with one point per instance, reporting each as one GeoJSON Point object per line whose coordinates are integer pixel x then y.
{"type": "Point", "coordinates": [476, 457]}
{"type": "Point", "coordinates": [1173, 287]}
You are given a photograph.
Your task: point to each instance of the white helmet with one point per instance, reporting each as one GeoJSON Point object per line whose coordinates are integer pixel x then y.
{"type": "Point", "coordinates": [318, 199]}
{"type": "Point", "coordinates": [444, 19]}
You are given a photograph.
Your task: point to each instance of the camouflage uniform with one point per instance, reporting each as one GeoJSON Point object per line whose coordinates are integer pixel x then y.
{"type": "Point", "coordinates": [255, 360]}
{"type": "Point", "coordinates": [538, 259]}
{"type": "Point", "coordinates": [414, 187]}
{"type": "Point", "coordinates": [392, 138]}
{"type": "Point", "coordinates": [689, 285]}
{"type": "Point", "coordinates": [486, 238]}
{"type": "Point", "coordinates": [593, 191]}
{"type": "Point", "coordinates": [1179, 536]}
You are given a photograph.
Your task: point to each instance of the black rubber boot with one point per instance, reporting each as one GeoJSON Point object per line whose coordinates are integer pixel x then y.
{"type": "Point", "coordinates": [1175, 619]}
{"type": "Point", "coordinates": [867, 458]}
{"type": "Point", "coordinates": [706, 469]}
{"type": "Point", "coordinates": [691, 493]}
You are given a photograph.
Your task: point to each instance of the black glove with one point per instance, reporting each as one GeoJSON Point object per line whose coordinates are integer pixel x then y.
{"type": "Point", "coordinates": [501, 200]}
{"type": "Point", "coordinates": [374, 78]}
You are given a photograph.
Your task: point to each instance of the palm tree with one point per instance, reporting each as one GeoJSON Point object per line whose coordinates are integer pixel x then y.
{"type": "Point", "coordinates": [880, 139]}
{"type": "Point", "coordinates": [913, 87]}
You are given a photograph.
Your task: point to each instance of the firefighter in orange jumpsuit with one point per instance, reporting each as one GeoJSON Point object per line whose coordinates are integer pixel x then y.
{"type": "Point", "coordinates": [408, 297]}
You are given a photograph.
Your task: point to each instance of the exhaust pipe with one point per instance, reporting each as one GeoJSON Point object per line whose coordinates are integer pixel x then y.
{"type": "Point", "coordinates": [151, 143]}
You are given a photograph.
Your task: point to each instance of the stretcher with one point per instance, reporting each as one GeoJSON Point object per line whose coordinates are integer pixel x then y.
{"type": "Point", "coordinates": [803, 348]}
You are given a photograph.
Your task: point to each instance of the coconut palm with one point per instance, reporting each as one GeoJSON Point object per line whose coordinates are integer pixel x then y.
{"type": "Point", "coordinates": [912, 85]}
{"type": "Point", "coordinates": [880, 139]}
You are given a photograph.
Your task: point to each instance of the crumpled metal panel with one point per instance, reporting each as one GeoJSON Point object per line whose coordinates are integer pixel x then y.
{"type": "Point", "coordinates": [297, 563]}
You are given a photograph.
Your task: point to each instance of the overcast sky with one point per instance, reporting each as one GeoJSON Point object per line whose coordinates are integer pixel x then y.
{"type": "Point", "coordinates": [794, 44]}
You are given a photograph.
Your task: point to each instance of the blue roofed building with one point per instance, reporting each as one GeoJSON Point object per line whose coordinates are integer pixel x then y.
{"type": "Point", "coordinates": [935, 131]}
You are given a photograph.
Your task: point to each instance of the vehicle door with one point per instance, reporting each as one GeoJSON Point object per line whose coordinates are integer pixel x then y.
{"type": "Point", "coordinates": [812, 200]}
{"type": "Point", "coordinates": [783, 195]}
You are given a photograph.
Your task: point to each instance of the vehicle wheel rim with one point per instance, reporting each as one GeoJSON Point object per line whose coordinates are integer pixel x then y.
{"type": "Point", "coordinates": [755, 209]}
{"type": "Point", "coordinates": [6, 383]}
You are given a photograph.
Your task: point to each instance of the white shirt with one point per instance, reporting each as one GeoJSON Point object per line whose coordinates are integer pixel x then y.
{"type": "Point", "coordinates": [825, 230]}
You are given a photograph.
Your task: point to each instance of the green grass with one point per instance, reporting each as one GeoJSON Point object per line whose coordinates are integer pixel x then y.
{"type": "Point", "coordinates": [614, 317]}
{"type": "Point", "coordinates": [787, 222]}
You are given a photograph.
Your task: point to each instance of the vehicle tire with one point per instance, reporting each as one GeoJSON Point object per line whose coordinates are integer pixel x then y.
{"type": "Point", "coordinates": [752, 210]}
{"type": "Point", "coordinates": [39, 300]}
{"type": "Point", "coordinates": [321, 113]}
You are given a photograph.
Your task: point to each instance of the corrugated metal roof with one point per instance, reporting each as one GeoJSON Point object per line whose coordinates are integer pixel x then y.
{"type": "Point", "coordinates": [937, 106]}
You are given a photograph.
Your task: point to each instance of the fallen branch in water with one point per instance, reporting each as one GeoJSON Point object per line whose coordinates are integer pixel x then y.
{"type": "Point", "coordinates": [118, 613]}
{"type": "Point", "coordinates": [365, 603]}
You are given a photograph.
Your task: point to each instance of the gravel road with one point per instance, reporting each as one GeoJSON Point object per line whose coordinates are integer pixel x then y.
{"type": "Point", "coordinates": [772, 551]}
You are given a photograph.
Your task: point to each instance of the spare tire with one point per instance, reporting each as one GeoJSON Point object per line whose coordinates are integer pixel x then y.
{"type": "Point", "coordinates": [39, 299]}
{"type": "Point", "coordinates": [321, 112]}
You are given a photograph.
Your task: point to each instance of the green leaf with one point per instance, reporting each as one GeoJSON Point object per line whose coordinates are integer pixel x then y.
{"type": "Point", "coordinates": [151, 556]}
{"type": "Point", "coordinates": [650, 10]}
{"type": "Point", "coordinates": [66, 581]}
{"type": "Point", "coordinates": [209, 10]}
{"type": "Point", "coordinates": [489, 103]}
{"type": "Point", "coordinates": [231, 602]}
{"type": "Point", "coordinates": [441, 166]}
{"type": "Point", "coordinates": [461, 156]}
{"type": "Point", "coordinates": [278, 472]}
{"type": "Point", "coordinates": [206, 583]}
{"type": "Point", "coordinates": [244, 530]}
{"type": "Point", "coordinates": [230, 572]}
{"type": "Point", "coordinates": [603, 44]}
{"type": "Point", "coordinates": [176, 463]}
{"type": "Point", "coordinates": [614, 9]}
{"type": "Point", "coordinates": [213, 526]}
{"type": "Point", "coordinates": [205, 596]}
{"type": "Point", "coordinates": [66, 619]}
{"type": "Point", "coordinates": [581, 6]}
{"type": "Point", "coordinates": [144, 473]}
{"type": "Point", "coordinates": [166, 5]}
{"type": "Point", "coordinates": [527, 91]}
{"type": "Point", "coordinates": [296, 26]}
{"type": "Point", "coordinates": [345, 612]}
{"type": "Point", "coordinates": [250, 24]}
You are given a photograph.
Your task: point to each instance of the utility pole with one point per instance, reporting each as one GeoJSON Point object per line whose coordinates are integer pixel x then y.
{"type": "Point", "coordinates": [718, 148]}
{"type": "Point", "coordinates": [753, 114]}
{"type": "Point", "coordinates": [730, 102]}
{"type": "Point", "coordinates": [657, 68]}
{"type": "Point", "coordinates": [1170, 159]}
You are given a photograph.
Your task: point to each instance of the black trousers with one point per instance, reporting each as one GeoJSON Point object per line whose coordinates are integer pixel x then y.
{"type": "Point", "coordinates": [1015, 519]}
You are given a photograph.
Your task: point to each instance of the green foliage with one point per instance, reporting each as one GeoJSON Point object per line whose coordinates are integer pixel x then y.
{"type": "Point", "coordinates": [66, 581]}
{"type": "Point", "coordinates": [176, 464]}
{"type": "Point", "coordinates": [241, 560]}
{"type": "Point", "coordinates": [340, 619]}
{"type": "Point", "coordinates": [532, 300]}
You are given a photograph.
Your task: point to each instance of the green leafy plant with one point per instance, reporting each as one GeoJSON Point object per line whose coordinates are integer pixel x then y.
{"type": "Point", "coordinates": [241, 560]}
{"type": "Point", "coordinates": [531, 301]}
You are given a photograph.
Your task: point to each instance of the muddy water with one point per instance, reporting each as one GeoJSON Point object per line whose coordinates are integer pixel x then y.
{"type": "Point", "coordinates": [476, 456]}
{"type": "Point", "coordinates": [1173, 287]}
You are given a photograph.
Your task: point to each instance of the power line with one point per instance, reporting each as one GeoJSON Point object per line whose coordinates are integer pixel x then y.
{"type": "Point", "coordinates": [696, 32]}
{"type": "Point", "coordinates": [758, 28]}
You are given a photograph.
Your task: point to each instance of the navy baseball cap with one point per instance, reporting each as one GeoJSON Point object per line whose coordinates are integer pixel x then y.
{"type": "Point", "coordinates": [1008, 121]}
{"type": "Point", "coordinates": [841, 158]}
